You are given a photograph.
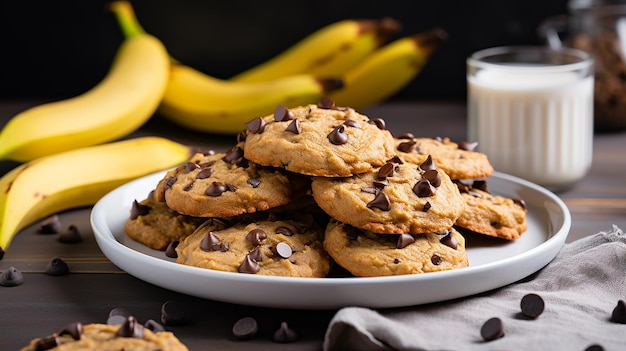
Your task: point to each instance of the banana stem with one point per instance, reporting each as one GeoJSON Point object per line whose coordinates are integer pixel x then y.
{"type": "Point", "coordinates": [126, 18]}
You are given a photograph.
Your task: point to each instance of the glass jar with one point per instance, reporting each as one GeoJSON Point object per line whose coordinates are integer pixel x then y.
{"type": "Point", "coordinates": [599, 28]}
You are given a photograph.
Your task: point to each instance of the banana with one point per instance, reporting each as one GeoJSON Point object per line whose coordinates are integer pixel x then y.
{"type": "Point", "coordinates": [80, 177]}
{"type": "Point", "coordinates": [327, 52]}
{"type": "Point", "coordinates": [123, 101]}
{"type": "Point", "coordinates": [204, 103]}
{"type": "Point", "coordinates": [387, 70]}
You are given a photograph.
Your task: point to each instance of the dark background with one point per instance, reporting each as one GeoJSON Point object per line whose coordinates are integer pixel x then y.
{"type": "Point", "coordinates": [55, 49]}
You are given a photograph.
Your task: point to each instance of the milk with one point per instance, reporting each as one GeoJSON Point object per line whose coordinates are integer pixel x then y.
{"type": "Point", "coordinates": [537, 125]}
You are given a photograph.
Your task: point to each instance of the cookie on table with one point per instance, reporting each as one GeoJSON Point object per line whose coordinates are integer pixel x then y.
{"type": "Point", "coordinates": [318, 140]}
{"type": "Point", "coordinates": [366, 254]}
{"type": "Point", "coordinates": [155, 225]}
{"type": "Point", "coordinates": [459, 161]}
{"type": "Point", "coordinates": [129, 335]}
{"type": "Point", "coordinates": [492, 215]}
{"type": "Point", "coordinates": [276, 246]}
{"type": "Point", "coordinates": [399, 197]}
{"type": "Point", "coordinates": [223, 185]}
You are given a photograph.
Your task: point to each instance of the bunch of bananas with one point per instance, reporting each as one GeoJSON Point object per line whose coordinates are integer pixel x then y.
{"type": "Point", "coordinates": [70, 149]}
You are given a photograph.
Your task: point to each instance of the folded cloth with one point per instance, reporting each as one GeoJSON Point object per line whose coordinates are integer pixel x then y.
{"type": "Point", "coordinates": [580, 288]}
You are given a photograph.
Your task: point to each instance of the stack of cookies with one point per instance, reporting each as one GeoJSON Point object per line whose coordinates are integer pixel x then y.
{"type": "Point", "coordinates": [317, 186]}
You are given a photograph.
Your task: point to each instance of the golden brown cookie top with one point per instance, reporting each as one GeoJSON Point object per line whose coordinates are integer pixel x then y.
{"type": "Point", "coordinates": [319, 140]}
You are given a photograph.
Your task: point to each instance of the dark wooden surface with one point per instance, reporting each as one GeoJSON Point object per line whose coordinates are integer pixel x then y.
{"type": "Point", "coordinates": [45, 303]}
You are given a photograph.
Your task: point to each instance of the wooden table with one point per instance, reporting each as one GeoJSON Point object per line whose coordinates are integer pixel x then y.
{"type": "Point", "coordinates": [45, 303]}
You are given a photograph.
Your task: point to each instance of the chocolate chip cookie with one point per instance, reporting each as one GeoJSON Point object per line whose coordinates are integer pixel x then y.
{"type": "Point", "coordinates": [399, 197]}
{"type": "Point", "coordinates": [319, 140]}
{"type": "Point", "coordinates": [155, 225]}
{"type": "Point", "coordinates": [366, 254]}
{"type": "Point", "coordinates": [223, 185]}
{"type": "Point", "coordinates": [277, 246]}
{"type": "Point", "coordinates": [492, 215]}
{"type": "Point", "coordinates": [459, 161]}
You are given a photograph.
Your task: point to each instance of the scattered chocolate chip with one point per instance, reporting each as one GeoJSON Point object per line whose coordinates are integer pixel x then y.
{"type": "Point", "coordinates": [130, 329]}
{"type": "Point", "coordinates": [153, 326]}
{"type": "Point", "coordinates": [256, 255]}
{"type": "Point", "coordinates": [170, 250]}
{"type": "Point", "coordinates": [205, 173]}
{"type": "Point", "coordinates": [284, 334]}
{"type": "Point", "coordinates": [70, 236]}
{"type": "Point", "coordinates": [73, 329]}
{"type": "Point", "coordinates": [11, 277]}
{"type": "Point", "coordinates": [216, 189]}
{"type": "Point", "coordinates": [406, 135]}
{"type": "Point", "coordinates": [338, 136]}
{"type": "Point", "coordinates": [480, 185]}
{"type": "Point", "coordinates": [249, 266]}
{"type": "Point", "coordinates": [256, 126]}
{"type": "Point", "coordinates": [47, 343]}
{"type": "Point", "coordinates": [188, 187]}
{"type": "Point", "coordinates": [245, 328]}
{"type": "Point", "coordinates": [283, 249]}
{"type": "Point", "coordinates": [136, 210]}
{"type": "Point", "coordinates": [378, 122]}
{"type": "Point", "coordinates": [234, 156]}
{"type": "Point", "coordinates": [284, 231]}
{"type": "Point", "coordinates": [173, 313]}
{"type": "Point", "coordinates": [449, 241]}
{"type": "Point", "coordinates": [51, 225]}
{"type": "Point", "coordinates": [433, 177]}
{"type": "Point", "coordinates": [619, 312]}
{"type": "Point", "coordinates": [380, 183]}
{"type": "Point", "coordinates": [116, 320]}
{"type": "Point", "coordinates": [381, 202]}
{"type": "Point", "coordinates": [428, 164]}
{"type": "Point", "coordinates": [396, 159]}
{"type": "Point", "coordinates": [256, 236]}
{"type": "Point", "coordinates": [120, 311]}
{"type": "Point", "coordinates": [352, 123]}
{"type": "Point", "coordinates": [423, 188]}
{"type": "Point", "coordinates": [521, 203]}
{"type": "Point", "coordinates": [254, 182]}
{"type": "Point", "coordinates": [406, 146]}
{"type": "Point", "coordinates": [212, 243]}
{"type": "Point", "coordinates": [282, 113]}
{"type": "Point", "coordinates": [405, 240]}
{"type": "Point", "coordinates": [372, 190]}
{"type": "Point", "coordinates": [436, 259]}
{"type": "Point", "coordinates": [469, 146]}
{"type": "Point", "coordinates": [532, 305]}
{"type": "Point", "coordinates": [170, 182]}
{"type": "Point", "coordinates": [594, 347]}
{"type": "Point", "coordinates": [294, 127]}
{"type": "Point", "coordinates": [386, 170]}
{"type": "Point", "coordinates": [57, 267]}
{"type": "Point", "coordinates": [191, 166]}
{"type": "Point", "coordinates": [492, 329]}
{"type": "Point", "coordinates": [427, 206]}
{"type": "Point", "coordinates": [326, 103]}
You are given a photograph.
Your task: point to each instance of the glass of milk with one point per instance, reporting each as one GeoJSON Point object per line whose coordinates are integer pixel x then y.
{"type": "Point", "coordinates": [530, 109]}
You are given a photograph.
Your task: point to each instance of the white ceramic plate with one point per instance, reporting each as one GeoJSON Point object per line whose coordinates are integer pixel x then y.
{"type": "Point", "coordinates": [493, 263]}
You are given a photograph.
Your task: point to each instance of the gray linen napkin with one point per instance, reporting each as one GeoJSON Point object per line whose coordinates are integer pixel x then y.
{"type": "Point", "coordinates": [580, 288]}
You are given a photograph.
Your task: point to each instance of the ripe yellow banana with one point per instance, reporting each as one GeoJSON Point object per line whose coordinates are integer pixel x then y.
{"type": "Point", "coordinates": [80, 177]}
{"type": "Point", "coordinates": [387, 70]}
{"type": "Point", "coordinates": [198, 101]}
{"type": "Point", "coordinates": [327, 52]}
{"type": "Point", "coordinates": [123, 101]}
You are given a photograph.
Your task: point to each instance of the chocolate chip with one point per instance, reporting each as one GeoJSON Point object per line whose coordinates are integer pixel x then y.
{"type": "Point", "coordinates": [406, 146]}
{"type": "Point", "coordinates": [11, 277]}
{"type": "Point", "coordinates": [283, 249]}
{"type": "Point", "coordinates": [170, 182]}
{"type": "Point", "coordinates": [116, 320]}
{"type": "Point", "coordinates": [256, 236]}
{"type": "Point", "coordinates": [191, 166]}
{"type": "Point", "coordinates": [378, 122]}
{"type": "Point", "coordinates": [428, 164]}
{"type": "Point", "coordinates": [436, 259]}
{"type": "Point", "coordinates": [282, 113]}
{"type": "Point", "coordinates": [521, 203]}
{"type": "Point", "coordinates": [284, 334]}
{"type": "Point", "coordinates": [449, 241]}
{"type": "Point", "coordinates": [386, 170]}
{"type": "Point", "coordinates": [294, 127]}
{"type": "Point", "coordinates": [532, 305]}
{"type": "Point", "coordinates": [406, 135]}
{"type": "Point", "coordinates": [245, 328]}
{"type": "Point", "coordinates": [338, 136]}
{"type": "Point", "coordinates": [212, 243]}
{"type": "Point", "coordinates": [372, 190]}
{"type": "Point", "coordinates": [130, 329]}
{"type": "Point", "coordinates": [73, 329]}
{"type": "Point", "coordinates": [254, 182]}
{"type": "Point", "coordinates": [594, 347]}
{"type": "Point", "coordinates": [205, 173]}
{"type": "Point", "coordinates": [249, 266]}
{"type": "Point", "coordinates": [173, 313]}
{"type": "Point", "coordinates": [405, 240]}
{"type": "Point", "coordinates": [188, 187]}
{"type": "Point", "coordinates": [50, 225]}
{"type": "Point", "coordinates": [256, 126]}
{"type": "Point", "coordinates": [70, 236]}
{"type": "Point", "coordinates": [216, 189]}
{"type": "Point", "coordinates": [57, 267]}
{"type": "Point", "coordinates": [284, 231]}
{"type": "Point", "coordinates": [619, 312]}
{"type": "Point", "coordinates": [326, 103]}
{"type": "Point", "coordinates": [234, 156]}
{"type": "Point", "coordinates": [433, 177]}
{"type": "Point", "coordinates": [480, 185]}
{"type": "Point", "coordinates": [423, 188]}
{"type": "Point", "coordinates": [381, 202]}
{"type": "Point", "coordinates": [47, 343]}
{"type": "Point", "coordinates": [427, 206]}
{"type": "Point", "coordinates": [492, 329]}
{"type": "Point", "coordinates": [352, 123]}
{"type": "Point", "coordinates": [136, 210]}
{"type": "Point", "coordinates": [170, 250]}
{"type": "Point", "coordinates": [464, 145]}
{"type": "Point", "coordinates": [120, 311]}
{"type": "Point", "coordinates": [256, 255]}
{"type": "Point", "coordinates": [153, 326]}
